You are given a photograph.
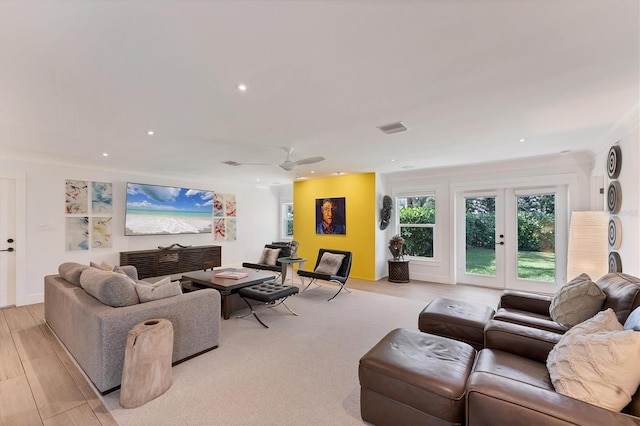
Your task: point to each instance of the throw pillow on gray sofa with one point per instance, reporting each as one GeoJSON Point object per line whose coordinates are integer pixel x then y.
{"type": "Point", "coordinates": [577, 301]}
{"type": "Point", "coordinates": [159, 290]}
{"type": "Point", "coordinates": [71, 271]}
{"type": "Point", "coordinates": [111, 288]}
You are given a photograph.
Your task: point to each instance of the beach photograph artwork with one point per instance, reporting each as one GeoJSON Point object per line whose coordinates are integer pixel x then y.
{"type": "Point", "coordinates": [164, 210]}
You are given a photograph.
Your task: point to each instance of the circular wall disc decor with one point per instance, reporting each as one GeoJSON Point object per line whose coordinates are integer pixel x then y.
{"type": "Point", "coordinates": [615, 233]}
{"type": "Point", "coordinates": [614, 197]}
{"type": "Point", "coordinates": [615, 264]}
{"type": "Point", "coordinates": [614, 162]}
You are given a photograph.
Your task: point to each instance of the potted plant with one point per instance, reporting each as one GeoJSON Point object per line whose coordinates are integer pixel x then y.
{"type": "Point", "coordinates": [395, 246]}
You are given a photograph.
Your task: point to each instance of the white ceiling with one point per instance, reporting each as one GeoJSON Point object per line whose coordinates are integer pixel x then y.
{"type": "Point", "coordinates": [468, 78]}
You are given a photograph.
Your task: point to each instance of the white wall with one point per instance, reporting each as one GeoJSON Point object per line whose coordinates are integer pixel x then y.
{"type": "Point", "coordinates": [382, 242]}
{"type": "Point", "coordinates": [572, 170]}
{"type": "Point", "coordinates": [629, 141]}
{"type": "Point", "coordinates": [44, 250]}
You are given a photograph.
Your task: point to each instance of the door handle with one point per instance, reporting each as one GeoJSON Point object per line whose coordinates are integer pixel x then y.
{"type": "Point", "coordinates": [10, 249]}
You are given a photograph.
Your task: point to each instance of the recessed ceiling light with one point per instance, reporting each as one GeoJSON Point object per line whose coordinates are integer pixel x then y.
{"type": "Point", "coordinates": [105, 154]}
{"type": "Point", "coordinates": [522, 140]}
{"type": "Point", "coordinates": [150, 132]}
{"type": "Point", "coordinates": [312, 171]}
{"type": "Point", "coordinates": [392, 160]}
{"type": "Point", "coordinates": [242, 87]}
{"type": "Point", "coordinates": [565, 152]}
{"type": "Point", "coordinates": [257, 179]}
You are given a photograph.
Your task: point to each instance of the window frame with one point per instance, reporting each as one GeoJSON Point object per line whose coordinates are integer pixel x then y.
{"type": "Point", "coordinates": [433, 226]}
{"type": "Point", "coordinates": [284, 205]}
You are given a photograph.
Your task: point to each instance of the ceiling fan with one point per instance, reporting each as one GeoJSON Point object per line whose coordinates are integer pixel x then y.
{"type": "Point", "coordinates": [287, 164]}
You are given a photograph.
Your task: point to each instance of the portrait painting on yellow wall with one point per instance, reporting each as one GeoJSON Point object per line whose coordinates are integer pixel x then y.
{"type": "Point", "coordinates": [330, 216]}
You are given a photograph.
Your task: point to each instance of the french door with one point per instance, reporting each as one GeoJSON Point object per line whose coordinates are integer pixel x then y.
{"type": "Point", "coordinates": [481, 238]}
{"type": "Point", "coordinates": [511, 238]}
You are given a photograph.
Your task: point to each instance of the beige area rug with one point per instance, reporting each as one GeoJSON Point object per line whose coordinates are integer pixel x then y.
{"type": "Point", "coordinates": [301, 371]}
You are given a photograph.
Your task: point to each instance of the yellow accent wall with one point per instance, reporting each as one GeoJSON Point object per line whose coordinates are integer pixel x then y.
{"type": "Point", "coordinates": [359, 191]}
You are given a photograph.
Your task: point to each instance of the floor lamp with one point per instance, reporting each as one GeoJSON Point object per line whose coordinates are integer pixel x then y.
{"type": "Point", "coordinates": [588, 244]}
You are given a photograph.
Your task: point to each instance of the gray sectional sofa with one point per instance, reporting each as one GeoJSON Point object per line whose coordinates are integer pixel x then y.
{"type": "Point", "coordinates": [95, 334]}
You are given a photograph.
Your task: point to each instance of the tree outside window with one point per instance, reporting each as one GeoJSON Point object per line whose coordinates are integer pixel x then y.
{"type": "Point", "coordinates": [417, 221]}
{"type": "Point", "coordinates": [287, 220]}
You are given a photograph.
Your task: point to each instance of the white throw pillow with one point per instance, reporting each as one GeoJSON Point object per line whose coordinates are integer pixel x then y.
{"type": "Point", "coordinates": [269, 256]}
{"type": "Point", "coordinates": [578, 300]}
{"type": "Point", "coordinates": [329, 263]}
{"type": "Point", "coordinates": [597, 362]}
{"type": "Point", "coordinates": [602, 321]}
{"type": "Point", "coordinates": [158, 290]}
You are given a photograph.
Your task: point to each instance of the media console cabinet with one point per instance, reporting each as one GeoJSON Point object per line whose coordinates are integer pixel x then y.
{"type": "Point", "coordinates": [154, 263]}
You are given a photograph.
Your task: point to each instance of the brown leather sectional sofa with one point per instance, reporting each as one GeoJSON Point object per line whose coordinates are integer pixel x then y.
{"type": "Point", "coordinates": [508, 383]}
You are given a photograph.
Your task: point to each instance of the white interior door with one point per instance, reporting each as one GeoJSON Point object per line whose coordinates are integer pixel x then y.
{"type": "Point", "coordinates": [7, 242]}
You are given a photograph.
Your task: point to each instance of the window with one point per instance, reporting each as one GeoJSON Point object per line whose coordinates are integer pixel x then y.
{"type": "Point", "coordinates": [287, 220]}
{"type": "Point", "coordinates": [417, 221]}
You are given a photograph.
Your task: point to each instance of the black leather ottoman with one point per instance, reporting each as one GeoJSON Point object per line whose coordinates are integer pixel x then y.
{"type": "Point", "coordinates": [410, 377]}
{"type": "Point", "coordinates": [456, 319]}
{"type": "Point", "coordinates": [268, 292]}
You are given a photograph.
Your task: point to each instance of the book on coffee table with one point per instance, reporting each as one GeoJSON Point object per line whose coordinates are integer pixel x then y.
{"type": "Point", "coordinates": [233, 275]}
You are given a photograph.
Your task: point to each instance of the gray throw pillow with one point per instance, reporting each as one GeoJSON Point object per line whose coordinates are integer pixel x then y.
{"type": "Point", "coordinates": [577, 301]}
{"type": "Point", "coordinates": [129, 270]}
{"type": "Point", "coordinates": [329, 263]}
{"type": "Point", "coordinates": [269, 256]}
{"type": "Point", "coordinates": [71, 271]}
{"type": "Point", "coordinates": [159, 290]}
{"type": "Point", "coordinates": [104, 266]}
{"type": "Point", "coordinates": [110, 288]}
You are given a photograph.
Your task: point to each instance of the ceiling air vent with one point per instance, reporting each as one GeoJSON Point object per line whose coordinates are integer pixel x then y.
{"type": "Point", "coordinates": [393, 128]}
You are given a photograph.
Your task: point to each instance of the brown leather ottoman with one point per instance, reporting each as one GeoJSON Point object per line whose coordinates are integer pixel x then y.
{"type": "Point", "coordinates": [410, 377]}
{"type": "Point", "coordinates": [456, 319]}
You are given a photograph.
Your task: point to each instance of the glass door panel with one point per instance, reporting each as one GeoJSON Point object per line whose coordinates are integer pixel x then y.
{"type": "Point", "coordinates": [536, 237]}
{"type": "Point", "coordinates": [480, 223]}
{"type": "Point", "coordinates": [480, 239]}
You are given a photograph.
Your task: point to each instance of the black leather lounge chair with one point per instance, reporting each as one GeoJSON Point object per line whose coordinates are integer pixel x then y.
{"type": "Point", "coordinates": [321, 272]}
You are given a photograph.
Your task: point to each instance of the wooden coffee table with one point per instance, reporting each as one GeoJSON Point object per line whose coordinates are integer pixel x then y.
{"type": "Point", "coordinates": [228, 288]}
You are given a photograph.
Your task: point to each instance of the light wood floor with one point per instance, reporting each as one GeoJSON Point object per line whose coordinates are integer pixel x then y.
{"type": "Point", "coordinates": [39, 382]}
{"type": "Point", "coordinates": [41, 385]}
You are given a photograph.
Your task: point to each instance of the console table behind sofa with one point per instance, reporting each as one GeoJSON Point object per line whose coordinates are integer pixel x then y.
{"type": "Point", "coordinates": [153, 263]}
